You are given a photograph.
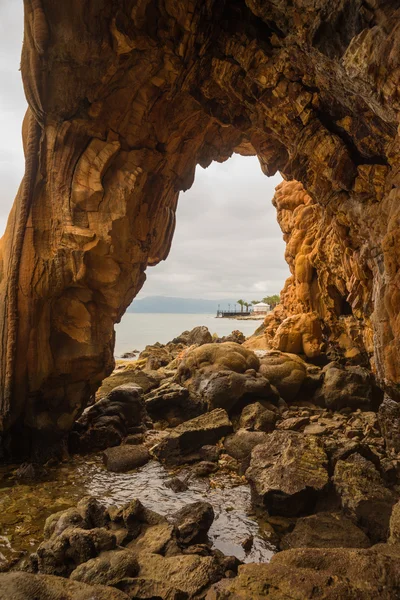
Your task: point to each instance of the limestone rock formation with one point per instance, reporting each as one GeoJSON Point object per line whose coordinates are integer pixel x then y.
{"type": "Point", "coordinates": [125, 99]}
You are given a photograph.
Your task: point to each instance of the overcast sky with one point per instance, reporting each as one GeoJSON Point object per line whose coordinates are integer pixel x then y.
{"type": "Point", "coordinates": [227, 242]}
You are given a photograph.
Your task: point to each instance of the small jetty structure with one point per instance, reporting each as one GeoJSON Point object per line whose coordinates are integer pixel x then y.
{"type": "Point", "coordinates": [232, 314]}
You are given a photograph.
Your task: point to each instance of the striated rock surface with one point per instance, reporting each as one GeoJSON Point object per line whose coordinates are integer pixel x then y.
{"type": "Point", "coordinates": [287, 472]}
{"type": "Point", "coordinates": [125, 99]}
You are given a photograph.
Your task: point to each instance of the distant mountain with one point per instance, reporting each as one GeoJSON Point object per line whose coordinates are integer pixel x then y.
{"type": "Point", "coordinates": [166, 304]}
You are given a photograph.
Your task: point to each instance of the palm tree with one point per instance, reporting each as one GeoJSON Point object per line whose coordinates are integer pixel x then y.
{"type": "Point", "coordinates": [255, 301]}
{"type": "Point", "coordinates": [241, 304]}
{"type": "Point", "coordinates": [247, 305]}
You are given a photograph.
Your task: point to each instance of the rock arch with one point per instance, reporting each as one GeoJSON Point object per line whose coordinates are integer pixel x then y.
{"type": "Point", "coordinates": [125, 98]}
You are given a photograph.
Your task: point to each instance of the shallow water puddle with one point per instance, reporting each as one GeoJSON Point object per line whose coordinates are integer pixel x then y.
{"type": "Point", "coordinates": [24, 508]}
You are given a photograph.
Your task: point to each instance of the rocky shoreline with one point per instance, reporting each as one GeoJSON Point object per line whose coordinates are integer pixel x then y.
{"type": "Point", "coordinates": [317, 444]}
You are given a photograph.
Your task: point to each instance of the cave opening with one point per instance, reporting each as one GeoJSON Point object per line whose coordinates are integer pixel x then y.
{"type": "Point", "coordinates": [227, 246]}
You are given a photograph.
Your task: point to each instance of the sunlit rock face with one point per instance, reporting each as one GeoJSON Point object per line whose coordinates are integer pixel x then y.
{"type": "Point", "coordinates": [327, 302]}
{"type": "Point", "coordinates": [126, 98]}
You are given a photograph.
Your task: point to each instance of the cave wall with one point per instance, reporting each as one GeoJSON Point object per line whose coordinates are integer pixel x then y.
{"type": "Point", "coordinates": [125, 98]}
{"type": "Point", "coordinates": [327, 302]}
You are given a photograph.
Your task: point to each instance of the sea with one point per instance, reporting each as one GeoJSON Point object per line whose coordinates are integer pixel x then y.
{"type": "Point", "coordinates": [137, 330]}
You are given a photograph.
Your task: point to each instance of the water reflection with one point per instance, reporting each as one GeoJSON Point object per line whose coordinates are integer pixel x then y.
{"type": "Point", "coordinates": [24, 508]}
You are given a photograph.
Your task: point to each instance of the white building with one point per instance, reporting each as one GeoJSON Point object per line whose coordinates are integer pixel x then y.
{"type": "Point", "coordinates": [261, 308]}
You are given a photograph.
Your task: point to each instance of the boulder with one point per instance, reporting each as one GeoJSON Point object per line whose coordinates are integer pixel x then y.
{"type": "Point", "coordinates": [88, 513]}
{"type": "Point", "coordinates": [109, 568]}
{"type": "Point", "coordinates": [25, 586]}
{"type": "Point", "coordinates": [227, 389]}
{"type": "Point", "coordinates": [236, 336]}
{"type": "Point", "coordinates": [325, 530]}
{"type": "Point", "coordinates": [172, 402]}
{"type": "Point", "coordinates": [133, 517]}
{"type": "Point", "coordinates": [345, 387]}
{"type": "Point", "coordinates": [326, 574]}
{"type": "Point", "coordinates": [108, 421]}
{"type": "Point", "coordinates": [154, 539]}
{"type": "Point", "coordinates": [216, 357]}
{"type": "Point", "coordinates": [241, 443]}
{"type": "Point", "coordinates": [192, 435]}
{"type": "Point", "coordinates": [284, 371]}
{"type": "Point", "coordinates": [129, 374]}
{"type": "Point", "coordinates": [62, 553]}
{"type": "Point", "coordinates": [177, 485]}
{"type": "Point", "coordinates": [258, 418]}
{"type": "Point", "coordinates": [193, 521]}
{"type": "Point", "coordinates": [125, 458]}
{"type": "Point", "coordinates": [288, 472]}
{"type": "Point", "coordinates": [389, 421]}
{"type": "Point", "coordinates": [159, 355]}
{"type": "Point", "coordinates": [199, 335]}
{"type": "Point", "coordinates": [188, 573]}
{"type": "Point", "coordinates": [363, 495]}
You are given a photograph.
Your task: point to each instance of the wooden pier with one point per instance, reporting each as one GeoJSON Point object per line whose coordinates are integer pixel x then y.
{"type": "Point", "coordinates": [232, 314]}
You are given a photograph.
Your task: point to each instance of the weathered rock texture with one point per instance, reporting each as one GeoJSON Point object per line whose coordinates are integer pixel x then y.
{"type": "Point", "coordinates": [125, 99]}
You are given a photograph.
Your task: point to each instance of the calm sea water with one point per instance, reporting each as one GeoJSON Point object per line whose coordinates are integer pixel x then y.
{"type": "Point", "coordinates": [137, 330]}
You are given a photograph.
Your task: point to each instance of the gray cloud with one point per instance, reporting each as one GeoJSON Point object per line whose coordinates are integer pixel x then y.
{"type": "Point", "coordinates": [227, 242]}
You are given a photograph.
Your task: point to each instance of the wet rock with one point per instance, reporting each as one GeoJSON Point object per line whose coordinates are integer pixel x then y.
{"type": "Point", "coordinates": [88, 513]}
{"type": "Point", "coordinates": [258, 418]}
{"type": "Point", "coordinates": [348, 574]}
{"type": "Point", "coordinates": [61, 554]}
{"type": "Point", "coordinates": [240, 444]}
{"type": "Point", "coordinates": [172, 402]}
{"type": "Point", "coordinates": [193, 521]}
{"type": "Point", "coordinates": [210, 453]}
{"type": "Point", "coordinates": [199, 335]}
{"type": "Point", "coordinates": [247, 543]}
{"type": "Point", "coordinates": [389, 421]}
{"type": "Point", "coordinates": [125, 458]}
{"type": "Point", "coordinates": [204, 468]}
{"type": "Point", "coordinates": [130, 354]}
{"type": "Point", "coordinates": [25, 586]}
{"type": "Point", "coordinates": [134, 516]}
{"type": "Point", "coordinates": [345, 387]}
{"type": "Point", "coordinates": [363, 495]}
{"type": "Point", "coordinates": [31, 472]}
{"type": "Point", "coordinates": [325, 530]}
{"type": "Point", "coordinates": [288, 472]}
{"type": "Point", "coordinates": [284, 371]}
{"type": "Point", "coordinates": [192, 435]}
{"type": "Point", "coordinates": [177, 485]}
{"type": "Point", "coordinates": [108, 421]}
{"type": "Point", "coordinates": [109, 568]}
